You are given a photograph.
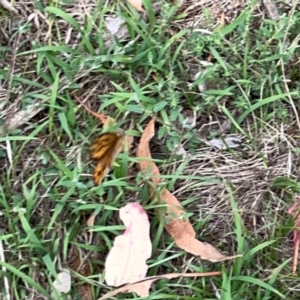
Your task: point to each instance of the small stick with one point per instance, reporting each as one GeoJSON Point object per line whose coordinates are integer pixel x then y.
{"type": "Point", "coordinates": [102, 117]}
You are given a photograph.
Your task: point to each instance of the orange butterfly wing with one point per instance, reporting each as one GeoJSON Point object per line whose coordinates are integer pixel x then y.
{"type": "Point", "coordinates": [105, 149]}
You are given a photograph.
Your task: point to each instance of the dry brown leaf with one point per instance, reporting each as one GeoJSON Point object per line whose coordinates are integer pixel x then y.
{"type": "Point", "coordinates": [114, 24]}
{"type": "Point", "coordinates": [137, 4]}
{"type": "Point", "coordinates": [179, 228]}
{"type": "Point", "coordinates": [126, 261]}
{"type": "Point", "coordinates": [142, 288]}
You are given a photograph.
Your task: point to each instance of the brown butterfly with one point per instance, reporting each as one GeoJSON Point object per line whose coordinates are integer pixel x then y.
{"type": "Point", "coordinates": [105, 149]}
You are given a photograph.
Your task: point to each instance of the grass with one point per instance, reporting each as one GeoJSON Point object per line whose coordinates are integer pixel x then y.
{"type": "Point", "coordinates": [237, 199]}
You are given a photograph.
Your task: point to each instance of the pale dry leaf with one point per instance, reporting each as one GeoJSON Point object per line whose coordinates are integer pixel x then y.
{"type": "Point", "coordinates": [228, 142]}
{"type": "Point", "coordinates": [126, 261]}
{"type": "Point", "coordinates": [63, 283]}
{"type": "Point", "coordinates": [137, 4]}
{"type": "Point", "coordinates": [177, 226]}
{"type": "Point", "coordinates": [142, 288]}
{"type": "Point", "coordinates": [113, 24]}
{"type": "Point", "coordinates": [117, 30]}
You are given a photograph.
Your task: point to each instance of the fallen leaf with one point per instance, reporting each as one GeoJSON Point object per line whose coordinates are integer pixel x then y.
{"type": "Point", "coordinates": [113, 24]}
{"type": "Point", "coordinates": [126, 261]}
{"type": "Point", "coordinates": [137, 4]}
{"type": "Point", "coordinates": [229, 142]}
{"type": "Point", "coordinates": [116, 28]}
{"type": "Point", "coordinates": [63, 283]}
{"type": "Point", "coordinates": [178, 227]}
{"type": "Point", "coordinates": [142, 288]}
{"type": "Point", "coordinates": [294, 210]}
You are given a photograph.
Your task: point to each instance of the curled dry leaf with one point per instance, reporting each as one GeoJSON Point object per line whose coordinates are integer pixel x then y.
{"type": "Point", "coordinates": [126, 261]}
{"type": "Point", "coordinates": [142, 288]}
{"type": "Point", "coordinates": [179, 228]}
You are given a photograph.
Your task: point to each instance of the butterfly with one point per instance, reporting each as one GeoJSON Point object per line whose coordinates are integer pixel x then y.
{"type": "Point", "coordinates": [105, 149]}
